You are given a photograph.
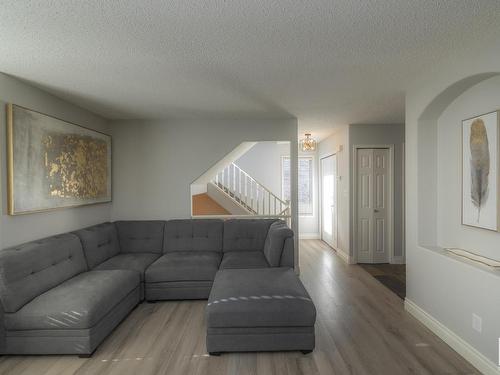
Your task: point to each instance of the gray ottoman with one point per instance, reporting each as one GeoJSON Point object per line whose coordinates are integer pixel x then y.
{"type": "Point", "coordinates": [259, 310]}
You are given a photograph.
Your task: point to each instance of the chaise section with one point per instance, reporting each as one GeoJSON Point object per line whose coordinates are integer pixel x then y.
{"type": "Point", "coordinates": [259, 310]}
{"type": "Point", "coordinates": [78, 303]}
{"type": "Point", "coordinates": [30, 269]}
{"type": "Point", "coordinates": [192, 254]}
{"type": "Point", "coordinates": [52, 305]}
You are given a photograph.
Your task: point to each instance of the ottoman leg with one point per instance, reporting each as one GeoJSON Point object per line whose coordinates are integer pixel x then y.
{"type": "Point", "coordinates": [215, 354]}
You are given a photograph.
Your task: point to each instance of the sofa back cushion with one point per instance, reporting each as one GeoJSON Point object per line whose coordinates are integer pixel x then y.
{"type": "Point", "coordinates": [275, 242]}
{"type": "Point", "coordinates": [100, 242]}
{"type": "Point", "coordinates": [245, 234]}
{"type": "Point", "coordinates": [193, 235]}
{"type": "Point", "coordinates": [140, 236]}
{"type": "Point", "coordinates": [30, 269]}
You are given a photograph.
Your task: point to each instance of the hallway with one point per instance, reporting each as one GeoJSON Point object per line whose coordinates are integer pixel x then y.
{"type": "Point", "coordinates": [362, 327]}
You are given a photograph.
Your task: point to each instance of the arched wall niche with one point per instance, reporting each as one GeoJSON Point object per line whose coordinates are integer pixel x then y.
{"type": "Point", "coordinates": [427, 155]}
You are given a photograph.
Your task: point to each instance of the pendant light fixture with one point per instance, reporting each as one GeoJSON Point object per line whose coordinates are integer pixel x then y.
{"type": "Point", "coordinates": [308, 143]}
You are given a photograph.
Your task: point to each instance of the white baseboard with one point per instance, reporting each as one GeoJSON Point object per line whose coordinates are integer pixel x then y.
{"type": "Point", "coordinates": [345, 257]}
{"type": "Point", "coordinates": [309, 236]}
{"type": "Point", "coordinates": [475, 358]}
{"type": "Point", "coordinates": [398, 260]}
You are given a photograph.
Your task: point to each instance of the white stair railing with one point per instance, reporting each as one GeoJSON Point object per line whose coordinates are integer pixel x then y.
{"type": "Point", "coordinates": [250, 194]}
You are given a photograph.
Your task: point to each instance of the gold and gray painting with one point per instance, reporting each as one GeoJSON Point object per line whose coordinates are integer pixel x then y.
{"type": "Point", "coordinates": [55, 164]}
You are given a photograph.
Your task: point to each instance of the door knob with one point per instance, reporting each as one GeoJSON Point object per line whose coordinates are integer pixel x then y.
{"type": "Point", "coordinates": [375, 211]}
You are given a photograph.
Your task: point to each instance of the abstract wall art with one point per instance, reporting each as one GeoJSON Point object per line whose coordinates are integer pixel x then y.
{"type": "Point", "coordinates": [53, 163]}
{"type": "Point", "coordinates": [480, 177]}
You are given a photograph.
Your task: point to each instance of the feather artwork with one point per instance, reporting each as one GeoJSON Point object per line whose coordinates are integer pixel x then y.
{"type": "Point", "coordinates": [480, 164]}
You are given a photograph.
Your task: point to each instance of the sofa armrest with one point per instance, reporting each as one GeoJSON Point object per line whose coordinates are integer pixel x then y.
{"type": "Point", "coordinates": [2, 331]}
{"type": "Point", "coordinates": [277, 246]}
{"type": "Point", "coordinates": [288, 254]}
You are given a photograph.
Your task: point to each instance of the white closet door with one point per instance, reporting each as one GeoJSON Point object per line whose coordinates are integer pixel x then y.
{"type": "Point", "coordinates": [372, 209]}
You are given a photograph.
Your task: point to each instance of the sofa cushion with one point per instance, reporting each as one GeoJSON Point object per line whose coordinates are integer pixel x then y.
{"type": "Point", "coordinates": [193, 235]}
{"type": "Point", "coordinates": [78, 303]}
{"type": "Point", "coordinates": [30, 269]}
{"type": "Point", "coordinates": [245, 234]}
{"type": "Point", "coordinates": [140, 236]}
{"type": "Point", "coordinates": [184, 266]}
{"type": "Point", "coordinates": [100, 242]}
{"type": "Point", "coordinates": [133, 261]}
{"type": "Point", "coordinates": [275, 242]}
{"type": "Point", "coordinates": [244, 259]}
{"type": "Point", "coordinates": [271, 297]}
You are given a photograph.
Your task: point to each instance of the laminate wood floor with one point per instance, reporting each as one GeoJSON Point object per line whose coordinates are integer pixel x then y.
{"type": "Point", "coordinates": [397, 271]}
{"type": "Point", "coordinates": [393, 276]}
{"type": "Point", "coordinates": [362, 328]}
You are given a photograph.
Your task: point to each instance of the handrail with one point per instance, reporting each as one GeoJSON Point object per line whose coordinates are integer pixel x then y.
{"type": "Point", "coordinates": [284, 212]}
{"type": "Point", "coordinates": [258, 183]}
{"type": "Point", "coordinates": [246, 191]}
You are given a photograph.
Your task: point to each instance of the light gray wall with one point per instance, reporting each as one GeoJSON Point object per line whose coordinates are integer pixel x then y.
{"type": "Point", "coordinates": [447, 289]}
{"type": "Point", "coordinates": [374, 135]}
{"type": "Point", "coordinates": [482, 98]}
{"type": "Point", "coordinates": [263, 162]}
{"type": "Point", "coordinates": [155, 162]}
{"type": "Point", "coordinates": [22, 228]}
{"type": "Point", "coordinates": [327, 147]}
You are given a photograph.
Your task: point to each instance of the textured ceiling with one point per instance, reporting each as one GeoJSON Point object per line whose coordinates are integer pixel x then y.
{"type": "Point", "coordinates": [325, 62]}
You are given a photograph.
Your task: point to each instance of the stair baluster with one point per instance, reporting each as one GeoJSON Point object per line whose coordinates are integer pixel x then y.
{"type": "Point", "coordinates": [250, 194]}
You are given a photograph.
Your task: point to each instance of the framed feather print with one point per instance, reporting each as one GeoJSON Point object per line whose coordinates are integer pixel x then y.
{"type": "Point", "coordinates": [480, 177]}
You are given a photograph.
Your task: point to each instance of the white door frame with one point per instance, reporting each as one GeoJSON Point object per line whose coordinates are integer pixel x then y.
{"type": "Point", "coordinates": [320, 201]}
{"type": "Point", "coordinates": [354, 195]}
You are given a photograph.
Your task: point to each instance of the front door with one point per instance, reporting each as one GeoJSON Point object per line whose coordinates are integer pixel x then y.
{"type": "Point", "coordinates": [329, 200]}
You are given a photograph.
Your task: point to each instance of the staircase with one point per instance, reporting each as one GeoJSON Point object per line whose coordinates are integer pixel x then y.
{"type": "Point", "coordinates": [249, 194]}
{"type": "Point", "coordinates": [203, 204]}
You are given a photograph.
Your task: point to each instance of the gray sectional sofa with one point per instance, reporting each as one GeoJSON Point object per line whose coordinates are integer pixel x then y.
{"type": "Point", "coordinates": [54, 304]}
{"type": "Point", "coordinates": [265, 309]}
{"type": "Point", "coordinates": [66, 293]}
{"type": "Point", "coordinates": [194, 250]}
{"type": "Point", "coordinates": [129, 245]}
